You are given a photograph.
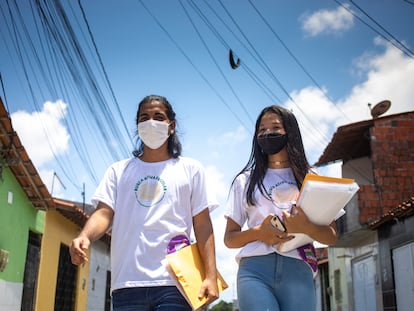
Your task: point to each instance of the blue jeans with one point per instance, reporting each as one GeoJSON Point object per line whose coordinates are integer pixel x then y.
{"type": "Point", "coordinates": [162, 298]}
{"type": "Point", "coordinates": [275, 283]}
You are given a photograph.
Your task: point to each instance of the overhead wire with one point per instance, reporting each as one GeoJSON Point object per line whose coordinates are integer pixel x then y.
{"type": "Point", "coordinates": [306, 72]}
{"type": "Point", "coordinates": [244, 66]}
{"type": "Point", "coordinates": [312, 79]}
{"type": "Point", "coordinates": [18, 49]}
{"type": "Point", "coordinates": [265, 66]}
{"type": "Point", "coordinates": [297, 61]}
{"type": "Point", "coordinates": [217, 65]}
{"type": "Point", "coordinates": [4, 94]}
{"type": "Point", "coordinates": [58, 37]}
{"type": "Point", "coordinates": [291, 99]}
{"type": "Point", "coordinates": [220, 38]}
{"type": "Point", "coordinates": [100, 111]}
{"type": "Point", "coordinates": [409, 52]}
{"type": "Point", "coordinates": [67, 50]}
{"type": "Point", "coordinates": [190, 61]}
{"type": "Point", "coordinates": [108, 83]}
{"type": "Point", "coordinates": [34, 100]}
{"type": "Point", "coordinates": [7, 23]}
{"type": "Point", "coordinates": [71, 122]}
{"type": "Point", "coordinates": [51, 32]}
{"type": "Point", "coordinates": [399, 46]}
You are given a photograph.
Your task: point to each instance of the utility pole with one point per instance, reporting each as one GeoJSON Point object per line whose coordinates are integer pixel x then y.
{"type": "Point", "coordinates": [83, 197]}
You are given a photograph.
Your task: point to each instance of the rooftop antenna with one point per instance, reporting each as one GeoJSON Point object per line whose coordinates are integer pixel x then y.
{"type": "Point", "coordinates": [380, 108]}
{"type": "Point", "coordinates": [53, 182]}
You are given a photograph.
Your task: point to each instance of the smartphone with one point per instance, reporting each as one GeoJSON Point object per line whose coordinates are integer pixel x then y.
{"type": "Point", "coordinates": [277, 223]}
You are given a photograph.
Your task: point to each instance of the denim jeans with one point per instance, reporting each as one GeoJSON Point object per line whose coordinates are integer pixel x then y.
{"type": "Point", "coordinates": [162, 298]}
{"type": "Point", "coordinates": [275, 283]}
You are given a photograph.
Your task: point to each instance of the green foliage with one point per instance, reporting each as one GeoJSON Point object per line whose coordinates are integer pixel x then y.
{"type": "Point", "coordinates": [222, 306]}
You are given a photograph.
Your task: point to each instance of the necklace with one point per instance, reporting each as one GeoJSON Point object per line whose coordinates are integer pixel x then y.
{"type": "Point", "coordinates": [279, 162]}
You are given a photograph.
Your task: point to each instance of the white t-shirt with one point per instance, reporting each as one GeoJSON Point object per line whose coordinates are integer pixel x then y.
{"type": "Point", "coordinates": [154, 204]}
{"type": "Point", "coordinates": [281, 186]}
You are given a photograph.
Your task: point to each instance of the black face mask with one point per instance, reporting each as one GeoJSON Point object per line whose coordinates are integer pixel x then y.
{"type": "Point", "coordinates": [272, 143]}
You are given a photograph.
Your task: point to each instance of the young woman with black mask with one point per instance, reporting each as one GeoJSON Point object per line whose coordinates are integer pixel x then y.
{"type": "Point", "coordinates": [266, 187]}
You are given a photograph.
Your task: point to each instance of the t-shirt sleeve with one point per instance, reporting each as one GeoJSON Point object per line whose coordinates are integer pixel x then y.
{"type": "Point", "coordinates": [202, 195]}
{"type": "Point", "coordinates": [235, 208]}
{"type": "Point", "coordinates": [106, 190]}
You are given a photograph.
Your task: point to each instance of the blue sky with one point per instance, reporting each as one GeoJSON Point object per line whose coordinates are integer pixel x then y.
{"type": "Point", "coordinates": [325, 60]}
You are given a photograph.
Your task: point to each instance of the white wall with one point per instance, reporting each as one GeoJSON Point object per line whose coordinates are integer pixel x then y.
{"type": "Point", "coordinates": [99, 265]}
{"type": "Point", "coordinates": [10, 295]}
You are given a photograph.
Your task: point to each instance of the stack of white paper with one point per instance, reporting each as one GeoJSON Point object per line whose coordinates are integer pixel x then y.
{"type": "Point", "coordinates": [322, 199]}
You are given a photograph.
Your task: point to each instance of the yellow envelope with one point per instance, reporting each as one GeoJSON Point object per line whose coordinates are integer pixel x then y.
{"type": "Point", "coordinates": [187, 269]}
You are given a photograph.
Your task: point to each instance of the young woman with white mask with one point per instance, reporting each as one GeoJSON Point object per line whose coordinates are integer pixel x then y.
{"type": "Point", "coordinates": [153, 201]}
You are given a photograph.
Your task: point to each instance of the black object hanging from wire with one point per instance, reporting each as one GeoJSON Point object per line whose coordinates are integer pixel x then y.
{"type": "Point", "coordinates": [233, 63]}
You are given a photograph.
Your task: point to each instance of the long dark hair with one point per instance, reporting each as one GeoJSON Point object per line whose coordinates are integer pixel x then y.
{"type": "Point", "coordinates": [258, 161]}
{"type": "Point", "coordinates": [174, 144]}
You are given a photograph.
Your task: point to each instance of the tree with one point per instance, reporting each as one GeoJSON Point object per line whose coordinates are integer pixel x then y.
{"type": "Point", "coordinates": [222, 306]}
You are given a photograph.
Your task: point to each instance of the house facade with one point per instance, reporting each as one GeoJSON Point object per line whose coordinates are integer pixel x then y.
{"type": "Point", "coordinates": [90, 283]}
{"type": "Point", "coordinates": [375, 237]}
{"type": "Point", "coordinates": [21, 225]}
{"type": "Point", "coordinates": [24, 200]}
{"type": "Point", "coordinates": [36, 230]}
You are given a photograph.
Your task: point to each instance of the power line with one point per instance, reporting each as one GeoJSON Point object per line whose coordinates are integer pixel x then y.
{"type": "Point", "coordinates": [409, 2]}
{"type": "Point", "coordinates": [268, 91]}
{"type": "Point", "coordinates": [409, 52]}
{"type": "Point", "coordinates": [399, 46]}
{"type": "Point", "coordinates": [217, 66]}
{"type": "Point", "coordinates": [4, 93]}
{"type": "Point", "coordinates": [190, 61]}
{"type": "Point", "coordinates": [301, 66]}
{"type": "Point", "coordinates": [272, 74]}
{"type": "Point", "coordinates": [104, 70]}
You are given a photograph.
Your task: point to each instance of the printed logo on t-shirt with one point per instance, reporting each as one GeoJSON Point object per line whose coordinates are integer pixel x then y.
{"type": "Point", "coordinates": [282, 198]}
{"type": "Point", "coordinates": [150, 190]}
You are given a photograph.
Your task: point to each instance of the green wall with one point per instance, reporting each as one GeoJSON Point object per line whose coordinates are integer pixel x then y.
{"type": "Point", "coordinates": [16, 220]}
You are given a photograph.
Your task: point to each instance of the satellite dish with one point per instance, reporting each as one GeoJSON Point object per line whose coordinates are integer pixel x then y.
{"type": "Point", "coordinates": [380, 108]}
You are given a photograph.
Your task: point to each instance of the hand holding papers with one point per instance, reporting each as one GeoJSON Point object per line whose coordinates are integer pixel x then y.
{"type": "Point", "coordinates": [321, 198]}
{"type": "Point", "coordinates": [187, 269]}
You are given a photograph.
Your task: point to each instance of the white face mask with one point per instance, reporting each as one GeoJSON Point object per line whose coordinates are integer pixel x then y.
{"type": "Point", "coordinates": [153, 133]}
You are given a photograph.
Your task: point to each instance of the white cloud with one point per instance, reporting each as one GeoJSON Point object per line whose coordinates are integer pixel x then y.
{"type": "Point", "coordinates": [230, 138]}
{"type": "Point", "coordinates": [315, 114]}
{"type": "Point", "coordinates": [386, 76]}
{"type": "Point", "coordinates": [41, 131]}
{"type": "Point", "coordinates": [327, 21]}
{"type": "Point", "coordinates": [215, 182]}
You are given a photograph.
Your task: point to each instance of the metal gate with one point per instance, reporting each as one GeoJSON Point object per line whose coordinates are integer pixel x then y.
{"type": "Point", "coordinates": [403, 264]}
{"type": "Point", "coordinates": [364, 276]}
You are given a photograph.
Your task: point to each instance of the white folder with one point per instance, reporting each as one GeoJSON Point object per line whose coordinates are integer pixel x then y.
{"type": "Point", "coordinates": [322, 198]}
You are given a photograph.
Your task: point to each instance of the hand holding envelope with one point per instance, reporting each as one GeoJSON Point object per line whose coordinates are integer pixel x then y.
{"type": "Point", "coordinates": [187, 270]}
